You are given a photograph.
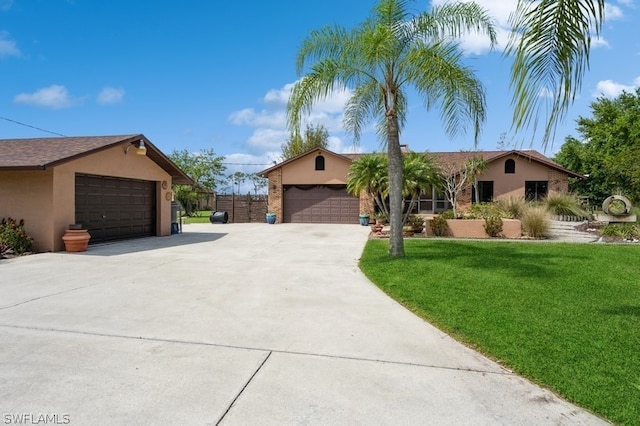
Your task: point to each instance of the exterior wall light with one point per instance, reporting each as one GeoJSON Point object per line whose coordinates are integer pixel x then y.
{"type": "Point", "coordinates": [140, 148]}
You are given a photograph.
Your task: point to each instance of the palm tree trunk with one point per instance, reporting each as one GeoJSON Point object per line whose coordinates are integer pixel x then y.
{"type": "Point", "coordinates": [396, 241]}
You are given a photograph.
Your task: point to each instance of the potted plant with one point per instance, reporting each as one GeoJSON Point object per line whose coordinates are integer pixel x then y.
{"type": "Point", "coordinates": [271, 218]}
{"type": "Point", "coordinates": [75, 238]}
{"type": "Point", "coordinates": [364, 219]}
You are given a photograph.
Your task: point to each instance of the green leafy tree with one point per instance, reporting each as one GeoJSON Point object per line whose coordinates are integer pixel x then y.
{"type": "Point", "coordinates": [550, 42]}
{"type": "Point", "coordinates": [380, 60]}
{"type": "Point", "coordinates": [315, 136]}
{"type": "Point", "coordinates": [204, 167]}
{"type": "Point", "coordinates": [609, 150]}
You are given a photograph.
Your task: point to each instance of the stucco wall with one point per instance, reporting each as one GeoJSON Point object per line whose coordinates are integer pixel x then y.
{"type": "Point", "coordinates": [46, 198]}
{"type": "Point", "coordinates": [505, 185]}
{"type": "Point", "coordinates": [303, 170]}
{"type": "Point", "coordinates": [28, 195]}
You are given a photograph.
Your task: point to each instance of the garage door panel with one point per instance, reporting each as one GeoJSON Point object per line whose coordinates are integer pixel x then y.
{"type": "Point", "coordinates": [115, 208]}
{"type": "Point", "coordinates": [320, 204]}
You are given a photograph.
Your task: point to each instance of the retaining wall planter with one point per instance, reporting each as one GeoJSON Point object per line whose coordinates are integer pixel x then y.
{"type": "Point", "coordinates": [474, 228]}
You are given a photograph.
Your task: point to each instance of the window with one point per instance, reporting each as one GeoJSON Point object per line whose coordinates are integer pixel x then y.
{"type": "Point", "coordinates": [510, 166]}
{"type": "Point", "coordinates": [536, 190]}
{"type": "Point", "coordinates": [319, 162]}
{"type": "Point", "coordinates": [485, 191]}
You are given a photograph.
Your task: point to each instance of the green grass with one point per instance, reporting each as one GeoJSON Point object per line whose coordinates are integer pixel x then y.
{"type": "Point", "coordinates": [201, 216]}
{"type": "Point", "coordinates": [566, 316]}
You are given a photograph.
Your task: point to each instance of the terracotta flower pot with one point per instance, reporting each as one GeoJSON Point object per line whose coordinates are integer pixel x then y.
{"type": "Point", "coordinates": [76, 240]}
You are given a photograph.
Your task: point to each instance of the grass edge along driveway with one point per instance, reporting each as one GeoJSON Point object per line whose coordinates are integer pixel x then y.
{"type": "Point", "coordinates": [566, 316]}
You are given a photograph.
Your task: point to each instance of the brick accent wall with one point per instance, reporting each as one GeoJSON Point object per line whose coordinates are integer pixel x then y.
{"type": "Point", "coordinates": [558, 182]}
{"type": "Point", "coordinates": [275, 194]}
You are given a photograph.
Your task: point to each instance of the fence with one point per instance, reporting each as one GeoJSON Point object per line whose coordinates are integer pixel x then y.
{"type": "Point", "coordinates": [242, 208]}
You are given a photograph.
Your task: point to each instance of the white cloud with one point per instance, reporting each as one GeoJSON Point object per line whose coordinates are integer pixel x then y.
{"type": "Point", "coordinates": [8, 47]}
{"type": "Point", "coordinates": [612, 89]}
{"type": "Point", "coordinates": [267, 139]}
{"type": "Point", "coordinates": [612, 12]}
{"type": "Point", "coordinates": [54, 96]}
{"type": "Point", "coordinates": [110, 95]}
{"type": "Point", "coordinates": [626, 2]}
{"type": "Point", "coordinates": [264, 118]}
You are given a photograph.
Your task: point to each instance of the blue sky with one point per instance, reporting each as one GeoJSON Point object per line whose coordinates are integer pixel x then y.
{"type": "Point", "coordinates": [211, 74]}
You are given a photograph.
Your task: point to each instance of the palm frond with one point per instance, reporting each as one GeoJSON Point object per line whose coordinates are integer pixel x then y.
{"type": "Point", "coordinates": [550, 43]}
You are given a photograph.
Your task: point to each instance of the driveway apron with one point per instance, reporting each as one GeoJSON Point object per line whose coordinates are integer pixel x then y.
{"type": "Point", "coordinates": [239, 324]}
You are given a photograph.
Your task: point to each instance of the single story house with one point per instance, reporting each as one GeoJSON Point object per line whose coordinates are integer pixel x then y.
{"type": "Point", "coordinates": [117, 187]}
{"type": "Point", "coordinates": [311, 187]}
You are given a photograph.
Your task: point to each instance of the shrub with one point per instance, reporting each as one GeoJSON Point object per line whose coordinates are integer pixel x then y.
{"type": "Point", "coordinates": [513, 207]}
{"type": "Point", "coordinates": [483, 211]}
{"type": "Point", "coordinates": [439, 225]}
{"type": "Point", "coordinates": [448, 214]}
{"type": "Point", "coordinates": [535, 222]}
{"type": "Point", "coordinates": [565, 204]}
{"type": "Point", "coordinates": [493, 226]}
{"type": "Point", "coordinates": [13, 237]}
{"type": "Point", "coordinates": [623, 230]}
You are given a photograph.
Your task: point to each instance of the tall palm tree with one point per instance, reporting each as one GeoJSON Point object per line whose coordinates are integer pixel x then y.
{"type": "Point", "coordinates": [379, 60]}
{"type": "Point", "coordinates": [551, 40]}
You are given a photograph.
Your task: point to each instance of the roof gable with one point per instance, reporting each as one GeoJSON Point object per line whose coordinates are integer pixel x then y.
{"type": "Point", "coordinates": [323, 151]}
{"type": "Point", "coordinates": [44, 153]}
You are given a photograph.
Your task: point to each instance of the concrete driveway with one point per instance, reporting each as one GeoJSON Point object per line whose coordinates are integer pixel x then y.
{"type": "Point", "coordinates": [238, 324]}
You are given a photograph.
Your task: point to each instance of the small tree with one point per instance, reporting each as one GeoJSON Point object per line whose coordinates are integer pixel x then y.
{"type": "Point", "coordinates": [204, 167]}
{"type": "Point", "coordinates": [477, 166]}
{"type": "Point", "coordinates": [369, 174]}
{"type": "Point", "coordinates": [455, 178]}
{"type": "Point", "coordinates": [315, 136]}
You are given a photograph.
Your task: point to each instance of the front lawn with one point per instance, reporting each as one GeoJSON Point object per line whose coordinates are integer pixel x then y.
{"type": "Point", "coordinates": [201, 216]}
{"type": "Point", "coordinates": [566, 316]}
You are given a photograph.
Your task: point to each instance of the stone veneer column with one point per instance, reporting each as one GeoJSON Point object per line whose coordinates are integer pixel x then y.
{"type": "Point", "coordinates": [275, 194]}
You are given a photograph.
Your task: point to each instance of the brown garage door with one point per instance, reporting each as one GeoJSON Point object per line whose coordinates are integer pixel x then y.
{"type": "Point", "coordinates": [320, 204]}
{"type": "Point", "coordinates": [114, 208]}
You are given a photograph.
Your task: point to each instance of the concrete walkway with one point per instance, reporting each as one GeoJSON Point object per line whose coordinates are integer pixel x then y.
{"type": "Point", "coordinates": [237, 325]}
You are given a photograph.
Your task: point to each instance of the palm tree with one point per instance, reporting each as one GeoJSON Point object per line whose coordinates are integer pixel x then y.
{"type": "Point", "coordinates": [369, 174]}
{"type": "Point", "coordinates": [379, 60]}
{"type": "Point", "coordinates": [551, 40]}
{"type": "Point", "coordinates": [419, 173]}
{"type": "Point", "coordinates": [476, 166]}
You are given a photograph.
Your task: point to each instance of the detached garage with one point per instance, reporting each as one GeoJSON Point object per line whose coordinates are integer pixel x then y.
{"type": "Point", "coordinates": [117, 187]}
{"type": "Point", "coordinates": [312, 188]}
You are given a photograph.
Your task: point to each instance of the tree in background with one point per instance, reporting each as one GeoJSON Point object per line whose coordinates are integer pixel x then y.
{"type": "Point", "coordinates": [204, 167]}
{"type": "Point", "coordinates": [609, 149]}
{"type": "Point", "coordinates": [551, 40]}
{"type": "Point", "coordinates": [477, 166]}
{"type": "Point", "coordinates": [380, 60]}
{"type": "Point", "coordinates": [315, 136]}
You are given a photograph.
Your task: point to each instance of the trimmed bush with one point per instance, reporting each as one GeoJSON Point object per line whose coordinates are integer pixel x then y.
{"type": "Point", "coordinates": [13, 237]}
{"type": "Point", "coordinates": [483, 211]}
{"type": "Point", "coordinates": [448, 214]}
{"type": "Point", "coordinates": [535, 222]}
{"type": "Point", "coordinates": [439, 225]}
{"type": "Point", "coordinates": [493, 226]}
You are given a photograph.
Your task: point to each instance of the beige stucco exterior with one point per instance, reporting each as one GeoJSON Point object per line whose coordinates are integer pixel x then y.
{"type": "Point", "coordinates": [507, 185]}
{"type": "Point", "coordinates": [302, 171]}
{"type": "Point", "coordinates": [45, 199]}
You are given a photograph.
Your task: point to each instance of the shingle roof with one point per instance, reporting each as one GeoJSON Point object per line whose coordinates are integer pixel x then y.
{"type": "Point", "coordinates": [43, 153]}
{"type": "Point", "coordinates": [461, 157]}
